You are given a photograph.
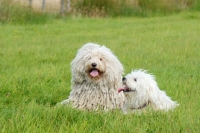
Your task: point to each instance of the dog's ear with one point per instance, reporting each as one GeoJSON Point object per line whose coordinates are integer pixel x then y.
{"type": "Point", "coordinates": [77, 78]}
{"type": "Point", "coordinates": [115, 69]}
{"type": "Point", "coordinates": [76, 75]}
{"type": "Point", "coordinates": [77, 70]}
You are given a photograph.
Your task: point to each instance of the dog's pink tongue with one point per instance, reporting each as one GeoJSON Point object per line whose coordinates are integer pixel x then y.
{"type": "Point", "coordinates": [94, 73]}
{"type": "Point", "coordinates": [121, 89]}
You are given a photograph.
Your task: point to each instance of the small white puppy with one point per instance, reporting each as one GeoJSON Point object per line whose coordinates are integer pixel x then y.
{"type": "Point", "coordinates": [141, 89]}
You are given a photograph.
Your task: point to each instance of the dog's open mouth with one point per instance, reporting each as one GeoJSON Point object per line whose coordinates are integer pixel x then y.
{"type": "Point", "coordinates": [94, 72]}
{"type": "Point", "coordinates": [124, 89]}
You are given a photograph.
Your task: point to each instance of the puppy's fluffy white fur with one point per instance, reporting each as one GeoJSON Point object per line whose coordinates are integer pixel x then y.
{"type": "Point", "coordinates": [96, 76]}
{"type": "Point", "coordinates": [141, 90]}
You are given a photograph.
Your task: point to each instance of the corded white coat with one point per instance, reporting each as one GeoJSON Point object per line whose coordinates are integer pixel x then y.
{"type": "Point", "coordinates": [93, 93]}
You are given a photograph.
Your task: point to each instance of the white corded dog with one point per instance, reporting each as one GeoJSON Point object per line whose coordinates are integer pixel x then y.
{"type": "Point", "coordinates": [96, 77]}
{"type": "Point", "coordinates": [141, 90]}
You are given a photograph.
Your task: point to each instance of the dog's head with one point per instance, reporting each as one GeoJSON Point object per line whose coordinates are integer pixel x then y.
{"type": "Point", "coordinates": [130, 84]}
{"type": "Point", "coordinates": [96, 63]}
{"type": "Point", "coordinates": [138, 81]}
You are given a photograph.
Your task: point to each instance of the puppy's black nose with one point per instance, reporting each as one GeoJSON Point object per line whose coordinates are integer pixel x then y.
{"type": "Point", "coordinates": [94, 64]}
{"type": "Point", "coordinates": [123, 79]}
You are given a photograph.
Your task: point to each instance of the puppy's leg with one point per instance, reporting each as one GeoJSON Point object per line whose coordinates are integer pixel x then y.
{"type": "Point", "coordinates": [124, 108]}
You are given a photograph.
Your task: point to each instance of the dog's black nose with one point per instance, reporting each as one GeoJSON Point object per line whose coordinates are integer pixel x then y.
{"type": "Point", "coordinates": [123, 79]}
{"type": "Point", "coordinates": [94, 64]}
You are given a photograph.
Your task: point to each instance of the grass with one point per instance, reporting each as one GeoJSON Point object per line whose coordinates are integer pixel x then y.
{"type": "Point", "coordinates": [16, 13]}
{"type": "Point", "coordinates": [35, 72]}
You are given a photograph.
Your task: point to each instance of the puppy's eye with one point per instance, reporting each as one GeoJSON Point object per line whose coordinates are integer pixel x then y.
{"type": "Point", "coordinates": [135, 79]}
{"type": "Point", "coordinates": [89, 58]}
{"type": "Point", "coordinates": [100, 59]}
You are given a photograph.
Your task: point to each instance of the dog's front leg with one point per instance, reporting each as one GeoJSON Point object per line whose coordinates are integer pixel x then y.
{"type": "Point", "coordinates": [65, 102]}
{"type": "Point", "coordinates": [124, 108]}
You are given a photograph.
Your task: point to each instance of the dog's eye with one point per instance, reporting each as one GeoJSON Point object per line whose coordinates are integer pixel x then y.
{"type": "Point", "coordinates": [100, 59]}
{"type": "Point", "coordinates": [89, 58]}
{"type": "Point", "coordinates": [135, 79]}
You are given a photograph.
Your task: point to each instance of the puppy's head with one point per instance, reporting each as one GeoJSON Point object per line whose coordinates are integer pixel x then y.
{"type": "Point", "coordinates": [138, 81]}
{"type": "Point", "coordinates": [129, 84]}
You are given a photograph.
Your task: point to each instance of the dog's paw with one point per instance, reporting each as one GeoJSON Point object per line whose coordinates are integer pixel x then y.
{"type": "Point", "coordinates": [65, 102]}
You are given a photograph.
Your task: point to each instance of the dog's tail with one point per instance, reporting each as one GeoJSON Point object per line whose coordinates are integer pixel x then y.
{"type": "Point", "coordinates": [163, 102]}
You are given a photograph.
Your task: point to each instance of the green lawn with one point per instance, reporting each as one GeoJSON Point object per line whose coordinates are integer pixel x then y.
{"type": "Point", "coordinates": [35, 72]}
